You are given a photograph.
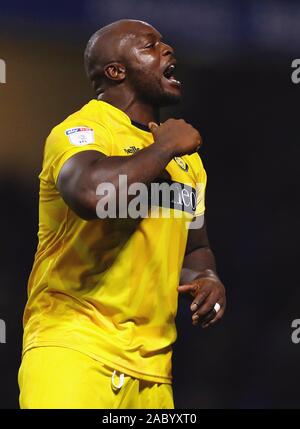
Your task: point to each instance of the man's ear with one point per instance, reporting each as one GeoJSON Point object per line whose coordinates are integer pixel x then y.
{"type": "Point", "coordinates": [115, 71]}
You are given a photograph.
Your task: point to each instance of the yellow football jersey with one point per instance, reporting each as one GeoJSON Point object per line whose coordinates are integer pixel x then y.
{"type": "Point", "coordinates": [108, 287]}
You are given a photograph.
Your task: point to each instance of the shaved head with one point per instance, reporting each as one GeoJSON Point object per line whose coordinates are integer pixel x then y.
{"type": "Point", "coordinates": [130, 53]}
{"type": "Point", "coordinates": [105, 47]}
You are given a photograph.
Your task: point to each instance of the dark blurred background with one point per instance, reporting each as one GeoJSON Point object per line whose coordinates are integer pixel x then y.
{"type": "Point", "coordinates": [235, 60]}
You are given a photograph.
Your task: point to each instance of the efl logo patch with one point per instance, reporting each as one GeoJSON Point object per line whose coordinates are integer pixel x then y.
{"type": "Point", "coordinates": [80, 136]}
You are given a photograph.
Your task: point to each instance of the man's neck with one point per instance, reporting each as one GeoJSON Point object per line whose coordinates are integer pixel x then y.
{"type": "Point", "coordinates": [136, 110]}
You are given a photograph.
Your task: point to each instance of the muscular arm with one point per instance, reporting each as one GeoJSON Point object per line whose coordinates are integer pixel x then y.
{"type": "Point", "coordinates": [83, 172]}
{"type": "Point", "coordinates": [198, 256]}
{"type": "Point", "coordinates": [199, 278]}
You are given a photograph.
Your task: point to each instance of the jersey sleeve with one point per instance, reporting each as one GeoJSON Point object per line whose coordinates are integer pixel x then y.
{"type": "Point", "coordinates": [66, 140]}
{"type": "Point", "coordinates": [200, 190]}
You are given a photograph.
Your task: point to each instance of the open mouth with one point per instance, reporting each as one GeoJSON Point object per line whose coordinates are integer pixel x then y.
{"type": "Point", "coordinates": [169, 74]}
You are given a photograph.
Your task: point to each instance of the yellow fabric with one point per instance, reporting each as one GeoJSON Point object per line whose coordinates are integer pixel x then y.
{"type": "Point", "coordinates": [56, 377]}
{"type": "Point", "coordinates": [107, 288]}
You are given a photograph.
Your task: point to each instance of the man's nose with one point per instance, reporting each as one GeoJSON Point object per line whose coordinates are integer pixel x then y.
{"type": "Point", "coordinates": [167, 49]}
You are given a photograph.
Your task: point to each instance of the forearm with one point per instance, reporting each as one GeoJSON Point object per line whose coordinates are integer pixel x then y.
{"type": "Point", "coordinates": [79, 179]}
{"type": "Point", "coordinates": [145, 166]}
{"type": "Point", "coordinates": [200, 262]}
{"type": "Point", "coordinates": [142, 167]}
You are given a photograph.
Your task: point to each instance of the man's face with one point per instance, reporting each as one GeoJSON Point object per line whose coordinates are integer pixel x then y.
{"type": "Point", "coordinates": [150, 66]}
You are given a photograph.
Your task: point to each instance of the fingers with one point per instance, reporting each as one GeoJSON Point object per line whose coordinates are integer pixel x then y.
{"type": "Point", "coordinates": [212, 321]}
{"type": "Point", "coordinates": [198, 291]}
{"type": "Point", "coordinates": [153, 127]}
{"type": "Point", "coordinates": [206, 314]}
{"type": "Point", "coordinates": [205, 319]}
{"type": "Point", "coordinates": [206, 293]}
{"type": "Point", "coordinates": [186, 288]}
{"type": "Point", "coordinates": [198, 301]}
{"type": "Point", "coordinates": [192, 289]}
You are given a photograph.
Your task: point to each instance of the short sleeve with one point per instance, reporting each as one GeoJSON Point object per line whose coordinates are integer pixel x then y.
{"type": "Point", "coordinates": [68, 139]}
{"type": "Point", "coordinates": [200, 190]}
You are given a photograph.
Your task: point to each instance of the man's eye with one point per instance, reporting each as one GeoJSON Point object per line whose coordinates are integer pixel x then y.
{"type": "Point", "coordinates": [150, 45]}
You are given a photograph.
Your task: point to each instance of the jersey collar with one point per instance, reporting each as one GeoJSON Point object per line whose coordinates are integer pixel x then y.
{"type": "Point", "coordinates": [134, 123]}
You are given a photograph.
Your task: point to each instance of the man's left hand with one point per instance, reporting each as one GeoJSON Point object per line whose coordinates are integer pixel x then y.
{"type": "Point", "coordinates": [207, 291]}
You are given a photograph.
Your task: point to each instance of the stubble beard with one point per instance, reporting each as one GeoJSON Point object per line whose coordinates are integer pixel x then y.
{"type": "Point", "coordinates": [150, 90]}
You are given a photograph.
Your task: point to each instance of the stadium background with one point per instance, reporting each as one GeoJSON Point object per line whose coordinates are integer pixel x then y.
{"type": "Point", "coordinates": [235, 60]}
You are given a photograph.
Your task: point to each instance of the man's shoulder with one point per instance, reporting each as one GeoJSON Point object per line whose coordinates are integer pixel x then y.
{"type": "Point", "coordinates": [80, 131]}
{"type": "Point", "coordinates": [90, 116]}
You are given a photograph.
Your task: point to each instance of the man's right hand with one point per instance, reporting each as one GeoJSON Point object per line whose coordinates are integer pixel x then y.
{"type": "Point", "coordinates": [177, 136]}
